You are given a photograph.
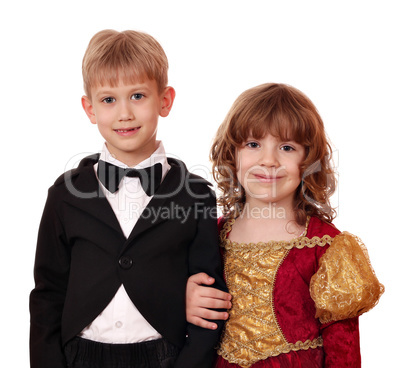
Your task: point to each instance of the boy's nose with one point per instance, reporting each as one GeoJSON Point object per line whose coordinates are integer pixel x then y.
{"type": "Point", "coordinates": [125, 113]}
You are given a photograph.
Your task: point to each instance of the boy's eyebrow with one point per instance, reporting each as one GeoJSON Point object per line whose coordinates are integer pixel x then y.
{"type": "Point", "coordinates": [110, 90]}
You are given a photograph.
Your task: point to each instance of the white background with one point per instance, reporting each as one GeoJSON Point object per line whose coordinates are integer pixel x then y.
{"type": "Point", "coordinates": [345, 55]}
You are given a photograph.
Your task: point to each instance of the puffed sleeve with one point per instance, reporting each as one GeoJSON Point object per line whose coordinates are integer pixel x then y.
{"type": "Point", "coordinates": [345, 285]}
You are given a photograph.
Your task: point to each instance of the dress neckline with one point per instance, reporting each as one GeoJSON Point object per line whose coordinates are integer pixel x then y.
{"type": "Point", "coordinates": [227, 228]}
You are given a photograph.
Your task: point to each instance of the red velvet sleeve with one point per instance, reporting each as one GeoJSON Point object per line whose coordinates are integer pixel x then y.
{"type": "Point", "coordinates": [341, 344]}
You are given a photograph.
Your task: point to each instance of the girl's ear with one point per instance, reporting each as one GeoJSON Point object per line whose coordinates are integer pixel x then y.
{"type": "Point", "coordinates": [88, 108]}
{"type": "Point", "coordinates": [167, 99]}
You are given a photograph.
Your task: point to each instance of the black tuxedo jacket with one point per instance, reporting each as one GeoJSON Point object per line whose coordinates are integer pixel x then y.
{"type": "Point", "coordinates": [82, 258]}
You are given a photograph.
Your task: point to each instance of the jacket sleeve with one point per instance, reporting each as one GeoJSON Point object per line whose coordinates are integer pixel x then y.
{"type": "Point", "coordinates": [51, 271]}
{"type": "Point", "coordinates": [204, 256]}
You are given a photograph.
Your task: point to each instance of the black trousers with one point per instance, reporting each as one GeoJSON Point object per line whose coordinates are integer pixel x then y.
{"type": "Point", "coordinates": [83, 353]}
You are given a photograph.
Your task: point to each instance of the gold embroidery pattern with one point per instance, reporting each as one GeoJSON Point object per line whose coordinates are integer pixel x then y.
{"type": "Point", "coordinates": [345, 285]}
{"type": "Point", "coordinates": [252, 332]}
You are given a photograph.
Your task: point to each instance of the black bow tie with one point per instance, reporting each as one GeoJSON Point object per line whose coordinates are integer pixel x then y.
{"type": "Point", "coordinates": [110, 176]}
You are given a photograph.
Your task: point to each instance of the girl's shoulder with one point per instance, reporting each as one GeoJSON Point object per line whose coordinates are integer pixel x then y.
{"type": "Point", "coordinates": [317, 227]}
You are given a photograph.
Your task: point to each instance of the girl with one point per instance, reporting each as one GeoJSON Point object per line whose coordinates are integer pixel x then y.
{"type": "Point", "coordinates": [297, 283]}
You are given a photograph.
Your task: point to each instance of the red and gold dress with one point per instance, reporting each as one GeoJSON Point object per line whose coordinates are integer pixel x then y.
{"type": "Point", "coordinates": [296, 303]}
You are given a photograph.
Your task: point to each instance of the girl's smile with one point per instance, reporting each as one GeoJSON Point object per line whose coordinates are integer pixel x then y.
{"type": "Point", "coordinates": [265, 175]}
{"type": "Point", "coordinates": [267, 179]}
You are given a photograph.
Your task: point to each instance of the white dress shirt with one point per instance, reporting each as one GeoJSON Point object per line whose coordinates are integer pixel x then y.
{"type": "Point", "coordinates": [121, 322]}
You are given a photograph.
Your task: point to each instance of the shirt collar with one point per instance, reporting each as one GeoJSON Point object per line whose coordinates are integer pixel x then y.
{"type": "Point", "coordinates": [159, 156]}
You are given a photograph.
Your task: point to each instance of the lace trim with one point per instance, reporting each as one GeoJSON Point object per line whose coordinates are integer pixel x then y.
{"type": "Point", "coordinates": [308, 344]}
{"type": "Point", "coordinates": [299, 243]}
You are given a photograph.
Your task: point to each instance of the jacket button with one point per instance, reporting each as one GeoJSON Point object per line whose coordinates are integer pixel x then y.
{"type": "Point", "coordinates": [125, 262]}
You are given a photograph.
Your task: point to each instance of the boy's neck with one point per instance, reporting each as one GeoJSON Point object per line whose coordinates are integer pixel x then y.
{"type": "Point", "coordinates": [132, 159]}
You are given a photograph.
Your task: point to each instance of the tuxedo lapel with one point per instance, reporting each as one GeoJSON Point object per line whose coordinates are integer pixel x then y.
{"type": "Point", "coordinates": [87, 195]}
{"type": "Point", "coordinates": [172, 192]}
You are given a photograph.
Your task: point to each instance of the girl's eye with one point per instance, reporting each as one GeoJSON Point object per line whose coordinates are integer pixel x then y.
{"type": "Point", "coordinates": [137, 96]}
{"type": "Point", "coordinates": [252, 145]}
{"type": "Point", "coordinates": [109, 100]}
{"type": "Point", "coordinates": [287, 148]}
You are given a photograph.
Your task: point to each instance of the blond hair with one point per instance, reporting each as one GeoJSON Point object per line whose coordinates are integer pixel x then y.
{"type": "Point", "coordinates": [129, 55]}
{"type": "Point", "coordinates": [287, 113]}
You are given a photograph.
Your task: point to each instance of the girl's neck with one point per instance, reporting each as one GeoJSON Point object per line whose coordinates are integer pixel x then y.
{"type": "Point", "coordinates": [265, 222]}
{"type": "Point", "coordinates": [272, 211]}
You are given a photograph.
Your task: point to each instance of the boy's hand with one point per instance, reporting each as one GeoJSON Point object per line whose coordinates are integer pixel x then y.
{"type": "Point", "coordinates": [199, 300]}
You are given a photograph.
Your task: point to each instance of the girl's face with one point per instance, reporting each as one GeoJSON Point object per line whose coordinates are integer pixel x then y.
{"type": "Point", "coordinates": [269, 169]}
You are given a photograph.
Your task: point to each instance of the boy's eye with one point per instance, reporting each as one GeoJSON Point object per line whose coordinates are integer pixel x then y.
{"type": "Point", "coordinates": [108, 100]}
{"type": "Point", "coordinates": [252, 145]}
{"type": "Point", "coordinates": [137, 96]}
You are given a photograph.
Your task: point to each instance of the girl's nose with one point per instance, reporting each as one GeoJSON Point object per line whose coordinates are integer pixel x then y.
{"type": "Point", "coordinates": [268, 158]}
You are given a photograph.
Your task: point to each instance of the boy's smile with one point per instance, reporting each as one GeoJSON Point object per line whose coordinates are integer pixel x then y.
{"type": "Point", "coordinates": [127, 117]}
{"type": "Point", "coordinates": [127, 132]}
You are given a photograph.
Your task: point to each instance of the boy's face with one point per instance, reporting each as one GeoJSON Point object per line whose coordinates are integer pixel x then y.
{"type": "Point", "coordinates": [127, 117]}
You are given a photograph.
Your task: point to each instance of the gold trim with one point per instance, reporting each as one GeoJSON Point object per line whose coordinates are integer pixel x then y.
{"type": "Point", "coordinates": [299, 242]}
{"type": "Point", "coordinates": [272, 299]}
{"type": "Point", "coordinates": [308, 344]}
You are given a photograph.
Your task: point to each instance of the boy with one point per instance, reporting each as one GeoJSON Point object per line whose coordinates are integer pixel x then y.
{"type": "Point", "coordinates": [116, 245]}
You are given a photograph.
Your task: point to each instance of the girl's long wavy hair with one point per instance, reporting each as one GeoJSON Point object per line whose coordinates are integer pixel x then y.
{"type": "Point", "coordinates": [287, 113]}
